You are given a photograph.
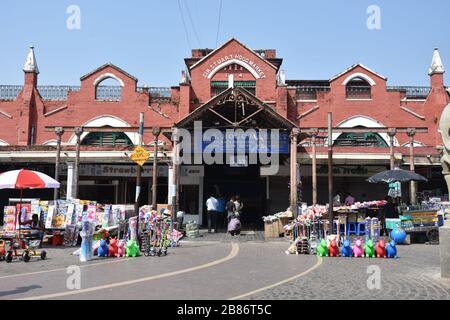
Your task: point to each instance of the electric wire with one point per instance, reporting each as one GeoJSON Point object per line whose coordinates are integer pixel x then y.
{"type": "Point", "coordinates": [218, 23]}
{"type": "Point", "coordinates": [184, 25]}
{"type": "Point", "coordinates": [192, 23]}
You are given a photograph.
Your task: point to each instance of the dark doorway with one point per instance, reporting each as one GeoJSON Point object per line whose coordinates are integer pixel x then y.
{"type": "Point", "coordinates": [243, 181]}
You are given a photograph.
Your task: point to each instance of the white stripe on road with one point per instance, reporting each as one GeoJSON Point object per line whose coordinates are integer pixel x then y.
{"type": "Point", "coordinates": [318, 263]}
{"type": "Point", "coordinates": [233, 253]}
{"type": "Point", "coordinates": [65, 269]}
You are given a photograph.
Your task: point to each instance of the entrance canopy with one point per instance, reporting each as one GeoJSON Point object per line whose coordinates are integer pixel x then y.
{"type": "Point", "coordinates": [236, 108]}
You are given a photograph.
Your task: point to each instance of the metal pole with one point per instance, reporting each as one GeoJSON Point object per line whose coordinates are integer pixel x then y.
{"type": "Point", "coordinates": [175, 174]}
{"type": "Point", "coordinates": [59, 131]}
{"type": "Point", "coordinates": [314, 168]}
{"type": "Point", "coordinates": [76, 176]}
{"type": "Point", "coordinates": [156, 132]}
{"type": "Point", "coordinates": [391, 134]}
{"type": "Point", "coordinates": [139, 168]}
{"type": "Point", "coordinates": [330, 170]}
{"type": "Point", "coordinates": [294, 182]}
{"type": "Point", "coordinates": [412, 187]}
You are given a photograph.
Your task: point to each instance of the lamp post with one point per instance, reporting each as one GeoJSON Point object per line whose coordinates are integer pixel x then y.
{"type": "Point", "coordinates": [391, 133]}
{"type": "Point", "coordinates": [330, 170]}
{"type": "Point", "coordinates": [412, 188]}
{"type": "Point", "coordinates": [156, 131]}
{"type": "Point", "coordinates": [59, 131]}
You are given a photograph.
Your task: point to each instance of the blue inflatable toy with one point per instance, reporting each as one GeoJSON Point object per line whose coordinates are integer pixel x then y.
{"type": "Point", "coordinates": [398, 235]}
{"type": "Point", "coordinates": [347, 249]}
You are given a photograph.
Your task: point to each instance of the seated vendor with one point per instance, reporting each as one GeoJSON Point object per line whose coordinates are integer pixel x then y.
{"type": "Point", "coordinates": [35, 224]}
{"type": "Point", "coordinates": [390, 210]}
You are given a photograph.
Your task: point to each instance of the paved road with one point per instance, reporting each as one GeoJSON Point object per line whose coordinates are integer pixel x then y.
{"type": "Point", "coordinates": [227, 269]}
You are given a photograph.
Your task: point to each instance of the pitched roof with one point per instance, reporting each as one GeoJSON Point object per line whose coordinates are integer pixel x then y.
{"type": "Point", "coordinates": [353, 67]}
{"type": "Point", "coordinates": [224, 45]}
{"type": "Point", "coordinates": [109, 64]}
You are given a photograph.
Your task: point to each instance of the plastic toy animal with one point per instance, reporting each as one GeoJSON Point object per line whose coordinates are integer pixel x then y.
{"type": "Point", "coordinates": [369, 249]}
{"type": "Point", "coordinates": [132, 248]}
{"type": "Point", "coordinates": [102, 250]}
{"type": "Point", "coordinates": [358, 250]}
{"type": "Point", "coordinates": [121, 249]}
{"type": "Point", "coordinates": [2, 250]}
{"type": "Point", "coordinates": [333, 249]}
{"type": "Point", "coordinates": [347, 249]}
{"type": "Point", "coordinates": [391, 250]}
{"type": "Point", "coordinates": [322, 249]}
{"type": "Point", "coordinates": [380, 249]}
{"type": "Point", "coordinates": [112, 247]}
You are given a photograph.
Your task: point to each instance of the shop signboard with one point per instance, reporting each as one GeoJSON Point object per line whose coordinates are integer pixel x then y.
{"type": "Point", "coordinates": [107, 170]}
{"type": "Point", "coordinates": [9, 217]}
{"type": "Point", "coordinates": [140, 155]}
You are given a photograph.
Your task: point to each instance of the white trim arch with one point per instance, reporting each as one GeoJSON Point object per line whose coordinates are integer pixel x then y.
{"type": "Point", "coordinates": [108, 75]}
{"type": "Point", "coordinates": [359, 75]}
{"type": "Point", "coordinates": [237, 61]}
{"type": "Point", "coordinates": [106, 120]}
{"type": "Point", "coordinates": [364, 121]}
{"type": "Point", "coordinates": [51, 142]}
{"type": "Point", "coordinates": [415, 144]}
{"type": "Point", "coordinates": [3, 143]}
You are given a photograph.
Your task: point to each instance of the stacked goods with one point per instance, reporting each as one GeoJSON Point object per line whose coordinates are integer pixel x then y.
{"type": "Point", "coordinates": [192, 230]}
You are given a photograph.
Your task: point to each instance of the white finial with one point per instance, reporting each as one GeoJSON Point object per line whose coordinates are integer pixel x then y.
{"type": "Point", "coordinates": [281, 78]}
{"type": "Point", "coordinates": [30, 64]}
{"type": "Point", "coordinates": [436, 64]}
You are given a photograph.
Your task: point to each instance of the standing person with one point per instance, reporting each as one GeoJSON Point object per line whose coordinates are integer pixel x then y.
{"type": "Point", "coordinates": [230, 208]}
{"type": "Point", "coordinates": [37, 225]}
{"type": "Point", "coordinates": [238, 205]}
{"type": "Point", "coordinates": [211, 207]}
{"type": "Point", "coordinates": [337, 199]}
{"type": "Point", "coordinates": [349, 200]}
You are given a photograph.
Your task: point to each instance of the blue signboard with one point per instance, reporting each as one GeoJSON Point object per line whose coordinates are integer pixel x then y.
{"type": "Point", "coordinates": [250, 141]}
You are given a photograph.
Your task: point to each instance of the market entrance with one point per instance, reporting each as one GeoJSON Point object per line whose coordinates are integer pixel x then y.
{"type": "Point", "coordinates": [239, 130]}
{"type": "Point", "coordinates": [243, 181]}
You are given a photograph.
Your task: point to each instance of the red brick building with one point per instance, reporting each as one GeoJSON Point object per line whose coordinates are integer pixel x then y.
{"type": "Point", "coordinates": [358, 98]}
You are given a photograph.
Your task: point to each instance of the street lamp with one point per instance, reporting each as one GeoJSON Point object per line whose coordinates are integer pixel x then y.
{"type": "Point", "coordinates": [156, 131]}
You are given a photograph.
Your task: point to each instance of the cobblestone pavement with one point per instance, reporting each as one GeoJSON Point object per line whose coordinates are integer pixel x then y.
{"type": "Point", "coordinates": [415, 275]}
{"type": "Point", "coordinates": [259, 271]}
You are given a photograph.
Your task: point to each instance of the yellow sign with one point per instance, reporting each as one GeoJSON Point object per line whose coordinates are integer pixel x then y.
{"type": "Point", "coordinates": [140, 155]}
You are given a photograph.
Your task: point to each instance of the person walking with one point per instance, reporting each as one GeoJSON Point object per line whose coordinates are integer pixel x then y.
{"type": "Point", "coordinates": [238, 205]}
{"type": "Point", "coordinates": [212, 205]}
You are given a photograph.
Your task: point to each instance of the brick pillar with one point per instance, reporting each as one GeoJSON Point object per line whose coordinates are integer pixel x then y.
{"type": "Point", "coordinates": [282, 100]}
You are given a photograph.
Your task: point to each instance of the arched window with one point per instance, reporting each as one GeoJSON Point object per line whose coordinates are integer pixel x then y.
{"type": "Point", "coordinates": [111, 139]}
{"type": "Point", "coordinates": [363, 139]}
{"type": "Point", "coordinates": [108, 89]}
{"type": "Point", "coordinates": [358, 88]}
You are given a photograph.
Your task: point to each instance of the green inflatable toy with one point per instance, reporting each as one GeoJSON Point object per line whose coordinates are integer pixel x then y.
{"type": "Point", "coordinates": [132, 248]}
{"type": "Point", "coordinates": [369, 249]}
{"type": "Point", "coordinates": [322, 249]}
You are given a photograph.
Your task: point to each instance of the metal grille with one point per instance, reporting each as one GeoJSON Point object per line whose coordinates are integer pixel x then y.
{"type": "Point", "coordinates": [9, 92]}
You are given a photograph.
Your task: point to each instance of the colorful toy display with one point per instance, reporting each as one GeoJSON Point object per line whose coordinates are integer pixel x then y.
{"type": "Point", "coordinates": [132, 249]}
{"type": "Point", "coordinates": [375, 229]}
{"type": "Point", "coordinates": [398, 235]}
{"type": "Point", "coordinates": [369, 249]}
{"type": "Point", "coordinates": [103, 249]}
{"type": "Point", "coordinates": [380, 249]}
{"type": "Point", "coordinates": [347, 249]}
{"type": "Point", "coordinates": [391, 250]}
{"type": "Point", "coordinates": [322, 249]}
{"type": "Point", "coordinates": [113, 247]}
{"type": "Point", "coordinates": [358, 250]}
{"type": "Point", "coordinates": [333, 249]}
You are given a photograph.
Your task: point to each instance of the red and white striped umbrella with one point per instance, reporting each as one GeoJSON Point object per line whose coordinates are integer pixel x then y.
{"type": "Point", "coordinates": [27, 179]}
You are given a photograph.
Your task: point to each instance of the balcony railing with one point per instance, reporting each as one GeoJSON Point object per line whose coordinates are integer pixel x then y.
{"type": "Point", "coordinates": [160, 92]}
{"type": "Point", "coordinates": [310, 92]}
{"type": "Point", "coordinates": [9, 92]}
{"type": "Point", "coordinates": [56, 93]}
{"type": "Point", "coordinates": [358, 92]}
{"type": "Point", "coordinates": [412, 92]}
